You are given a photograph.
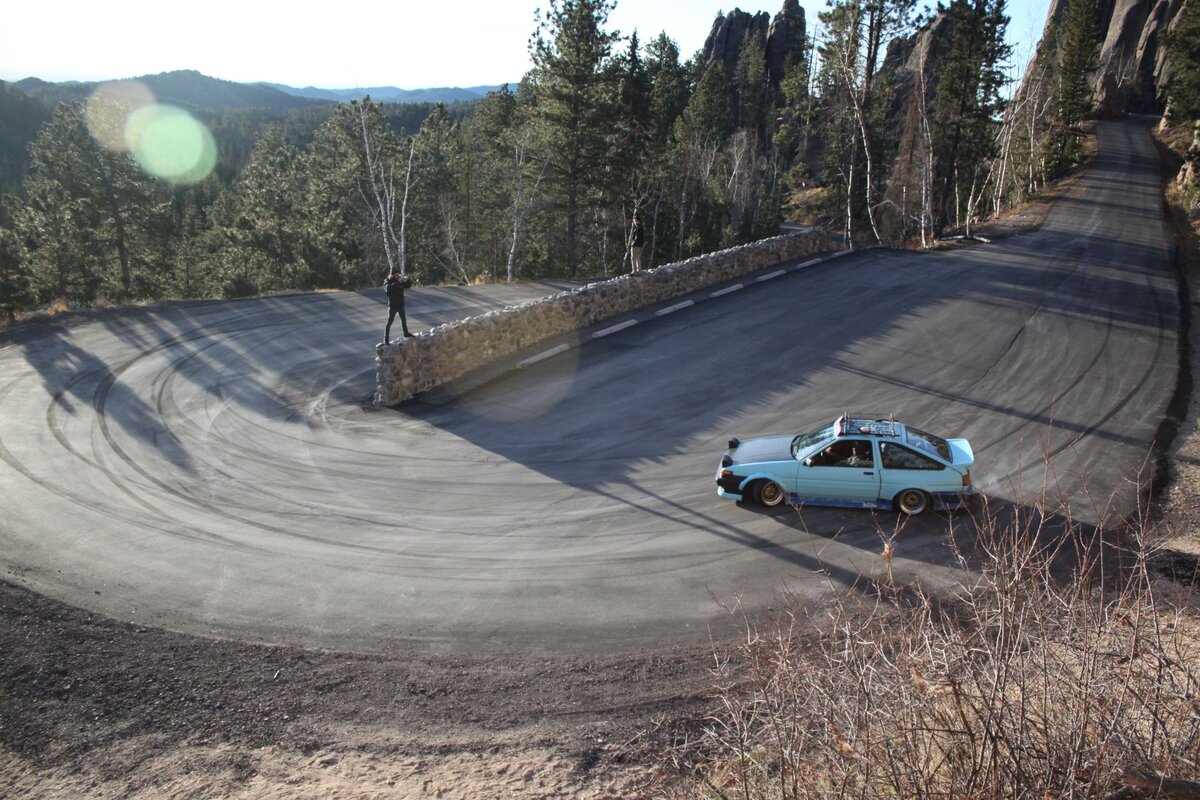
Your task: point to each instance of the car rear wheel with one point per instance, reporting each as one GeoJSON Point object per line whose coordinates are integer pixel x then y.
{"type": "Point", "coordinates": [913, 502]}
{"type": "Point", "coordinates": [769, 494]}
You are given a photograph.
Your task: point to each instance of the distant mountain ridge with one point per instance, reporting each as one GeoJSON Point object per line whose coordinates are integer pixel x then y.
{"type": "Point", "coordinates": [388, 94]}
{"type": "Point", "coordinates": [198, 92]}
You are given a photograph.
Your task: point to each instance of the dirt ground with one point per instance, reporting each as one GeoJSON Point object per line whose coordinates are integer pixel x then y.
{"type": "Point", "coordinates": [92, 708]}
{"type": "Point", "coordinates": [1179, 503]}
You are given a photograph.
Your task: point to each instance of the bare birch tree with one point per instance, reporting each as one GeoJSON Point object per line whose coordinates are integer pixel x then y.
{"type": "Point", "coordinates": [377, 152]}
{"type": "Point", "coordinates": [522, 203]}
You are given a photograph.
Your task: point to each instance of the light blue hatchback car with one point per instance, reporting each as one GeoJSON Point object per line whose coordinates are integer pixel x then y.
{"type": "Point", "coordinates": [858, 461]}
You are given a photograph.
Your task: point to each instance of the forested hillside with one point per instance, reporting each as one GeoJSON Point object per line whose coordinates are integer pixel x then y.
{"type": "Point", "coordinates": [20, 119]}
{"type": "Point", "coordinates": [883, 124]}
{"type": "Point", "coordinates": [186, 88]}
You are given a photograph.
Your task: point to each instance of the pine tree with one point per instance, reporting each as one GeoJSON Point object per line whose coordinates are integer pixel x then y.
{"type": "Point", "coordinates": [669, 94]}
{"type": "Point", "coordinates": [1183, 49]}
{"type": "Point", "coordinates": [840, 105]}
{"type": "Point", "coordinates": [668, 87]}
{"type": "Point", "coordinates": [795, 128]}
{"type": "Point", "coordinates": [259, 223]}
{"type": "Point", "coordinates": [20, 119]}
{"type": "Point", "coordinates": [633, 151]}
{"type": "Point", "coordinates": [334, 203]}
{"type": "Point", "coordinates": [750, 86]}
{"type": "Point", "coordinates": [512, 188]}
{"type": "Point", "coordinates": [710, 114]}
{"type": "Point", "coordinates": [95, 220]}
{"type": "Point", "coordinates": [361, 187]}
{"type": "Point", "coordinates": [440, 215]}
{"type": "Point", "coordinates": [1076, 58]}
{"type": "Point", "coordinates": [634, 120]}
{"type": "Point", "coordinates": [701, 132]}
{"type": "Point", "coordinates": [575, 106]}
{"type": "Point", "coordinates": [852, 109]}
{"type": "Point", "coordinates": [968, 105]}
{"type": "Point", "coordinates": [16, 283]}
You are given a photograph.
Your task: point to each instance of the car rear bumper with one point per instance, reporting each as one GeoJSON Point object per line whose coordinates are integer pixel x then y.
{"type": "Point", "coordinates": [949, 501]}
{"type": "Point", "coordinates": [728, 494]}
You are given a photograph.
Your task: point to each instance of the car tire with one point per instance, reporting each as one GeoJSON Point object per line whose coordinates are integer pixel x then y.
{"type": "Point", "coordinates": [913, 502]}
{"type": "Point", "coordinates": [769, 494]}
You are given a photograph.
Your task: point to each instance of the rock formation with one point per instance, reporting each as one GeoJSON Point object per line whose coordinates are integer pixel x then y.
{"type": "Point", "coordinates": [787, 39]}
{"type": "Point", "coordinates": [1132, 69]}
{"type": "Point", "coordinates": [911, 65]}
{"type": "Point", "coordinates": [782, 38]}
{"type": "Point", "coordinates": [909, 57]}
{"type": "Point", "coordinates": [729, 31]}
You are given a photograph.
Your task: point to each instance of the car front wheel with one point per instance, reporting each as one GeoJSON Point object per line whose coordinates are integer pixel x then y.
{"type": "Point", "coordinates": [769, 494]}
{"type": "Point", "coordinates": [912, 502]}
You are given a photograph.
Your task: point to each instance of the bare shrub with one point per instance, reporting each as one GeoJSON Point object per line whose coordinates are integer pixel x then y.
{"type": "Point", "coordinates": [1065, 667]}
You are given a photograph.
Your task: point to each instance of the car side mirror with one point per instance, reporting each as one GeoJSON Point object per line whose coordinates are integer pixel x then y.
{"type": "Point", "coordinates": [808, 462]}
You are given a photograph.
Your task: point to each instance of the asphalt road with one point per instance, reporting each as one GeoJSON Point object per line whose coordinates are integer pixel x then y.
{"type": "Point", "coordinates": [211, 467]}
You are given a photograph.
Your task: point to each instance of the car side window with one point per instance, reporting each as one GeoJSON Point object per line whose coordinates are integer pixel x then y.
{"type": "Point", "coordinates": [845, 453]}
{"type": "Point", "coordinates": [895, 456]}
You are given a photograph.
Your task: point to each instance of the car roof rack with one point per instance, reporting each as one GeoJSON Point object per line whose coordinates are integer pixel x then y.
{"type": "Point", "coordinates": [876, 424]}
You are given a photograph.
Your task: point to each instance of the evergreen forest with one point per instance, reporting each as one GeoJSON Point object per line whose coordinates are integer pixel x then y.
{"type": "Point", "coordinates": [882, 122]}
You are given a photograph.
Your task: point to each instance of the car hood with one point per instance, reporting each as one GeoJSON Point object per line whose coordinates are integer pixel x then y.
{"type": "Point", "coordinates": [768, 448]}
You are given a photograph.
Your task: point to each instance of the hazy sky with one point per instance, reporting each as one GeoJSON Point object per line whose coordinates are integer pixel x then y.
{"type": "Point", "coordinates": [352, 43]}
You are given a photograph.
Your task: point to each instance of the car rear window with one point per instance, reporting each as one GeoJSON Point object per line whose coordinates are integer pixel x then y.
{"type": "Point", "coordinates": [928, 442]}
{"type": "Point", "coordinates": [897, 456]}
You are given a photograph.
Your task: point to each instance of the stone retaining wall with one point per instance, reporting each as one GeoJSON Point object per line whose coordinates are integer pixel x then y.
{"type": "Point", "coordinates": [409, 367]}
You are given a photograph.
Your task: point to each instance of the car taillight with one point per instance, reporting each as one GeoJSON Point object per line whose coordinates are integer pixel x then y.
{"type": "Point", "coordinates": [967, 478]}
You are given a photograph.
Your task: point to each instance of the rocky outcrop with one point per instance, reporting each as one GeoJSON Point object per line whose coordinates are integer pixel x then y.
{"type": "Point", "coordinates": [783, 39]}
{"type": "Point", "coordinates": [454, 350]}
{"type": "Point", "coordinates": [912, 64]}
{"type": "Point", "coordinates": [1132, 69]}
{"type": "Point", "coordinates": [787, 39]}
{"type": "Point", "coordinates": [728, 35]}
{"type": "Point", "coordinates": [912, 60]}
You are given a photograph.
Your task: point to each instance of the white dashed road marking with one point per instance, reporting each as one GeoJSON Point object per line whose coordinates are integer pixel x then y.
{"type": "Point", "coordinates": [670, 309]}
{"type": "Point", "coordinates": [619, 327]}
{"type": "Point", "coordinates": [553, 351]}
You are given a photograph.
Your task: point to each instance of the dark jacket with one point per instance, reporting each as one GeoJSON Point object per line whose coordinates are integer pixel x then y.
{"type": "Point", "coordinates": [395, 291]}
{"type": "Point", "coordinates": [635, 235]}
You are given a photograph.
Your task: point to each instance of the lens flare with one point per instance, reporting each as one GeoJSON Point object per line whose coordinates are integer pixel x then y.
{"type": "Point", "coordinates": [109, 108]}
{"type": "Point", "coordinates": [171, 144]}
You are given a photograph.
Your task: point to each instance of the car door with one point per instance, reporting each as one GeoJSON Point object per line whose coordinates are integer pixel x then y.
{"type": "Point", "coordinates": [844, 472]}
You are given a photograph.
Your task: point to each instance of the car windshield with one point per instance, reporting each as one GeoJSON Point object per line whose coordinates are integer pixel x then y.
{"type": "Point", "coordinates": [928, 442]}
{"type": "Point", "coordinates": [807, 440]}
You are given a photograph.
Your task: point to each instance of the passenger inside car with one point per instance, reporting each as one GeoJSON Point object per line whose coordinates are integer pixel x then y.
{"type": "Point", "coordinates": [845, 453]}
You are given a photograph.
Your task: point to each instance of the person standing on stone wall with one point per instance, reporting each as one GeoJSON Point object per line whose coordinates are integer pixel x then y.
{"type": "Point", "coordinates": [394, 286]}
{"type": "Point", "coordinates": [635, 244]}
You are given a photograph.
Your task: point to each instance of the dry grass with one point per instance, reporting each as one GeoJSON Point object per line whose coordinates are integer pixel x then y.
{"type": "Point", "coordinates": [1066, 668]}
{"type": "Point", "coordinates": [807, 206]}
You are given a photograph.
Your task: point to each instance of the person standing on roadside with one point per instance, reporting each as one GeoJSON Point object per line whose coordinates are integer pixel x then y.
{"type": "Point", "coordinates": [395, 285]}
{"type": "Point", "coordinates": [635, 244]}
